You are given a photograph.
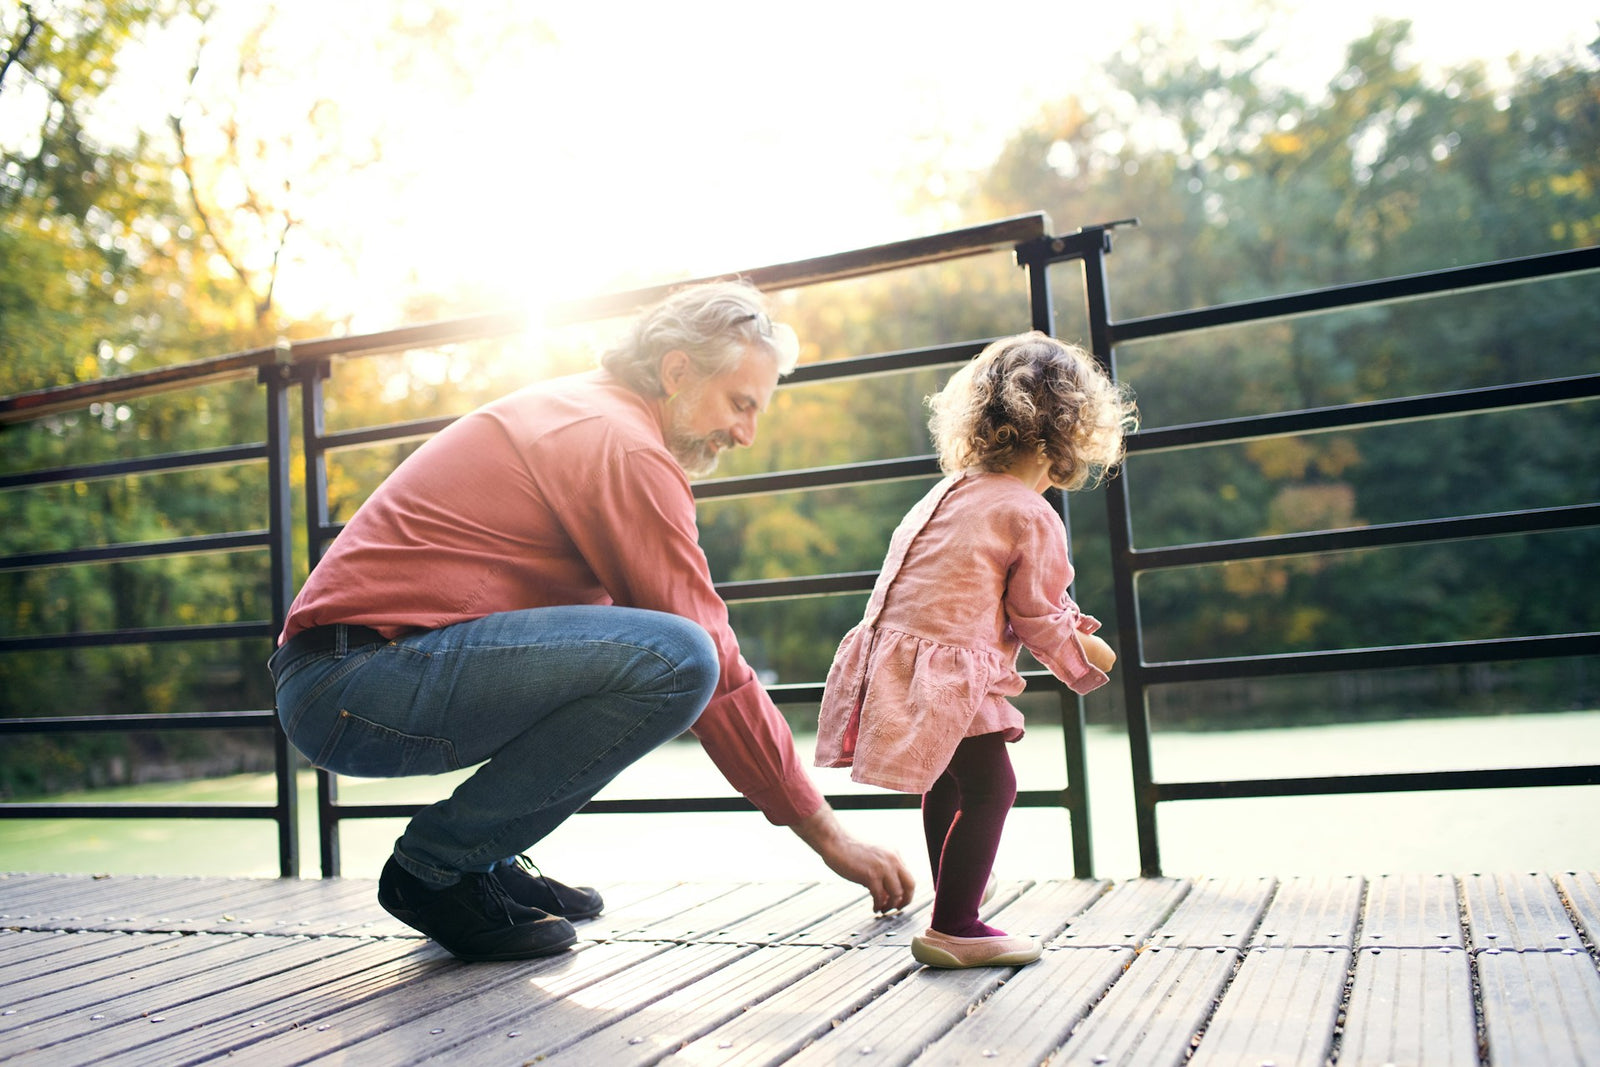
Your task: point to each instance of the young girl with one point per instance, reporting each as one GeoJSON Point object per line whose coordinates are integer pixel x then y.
{"type": "Point", "coordinates": [916, 697]}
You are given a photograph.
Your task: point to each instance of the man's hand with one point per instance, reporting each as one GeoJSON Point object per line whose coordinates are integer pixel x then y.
{"type": "Point", "coordinates": [881, 871]}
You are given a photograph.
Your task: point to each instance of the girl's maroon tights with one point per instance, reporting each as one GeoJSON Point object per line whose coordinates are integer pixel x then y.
{"type": "Point", "coordinates": [962, 816]}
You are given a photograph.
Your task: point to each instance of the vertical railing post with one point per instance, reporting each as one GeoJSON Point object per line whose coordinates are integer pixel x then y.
{"type": "Point", "coordinates": [1119, 529]}
{"type": "Point", "coordinates": [1035, 259]}
{"type": "Point", "coordinates": [313, 424]}
{"type": "Point", "coordinates": [280, 509]}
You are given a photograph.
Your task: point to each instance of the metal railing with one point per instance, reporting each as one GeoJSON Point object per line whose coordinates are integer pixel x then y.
{"type": "Point", "coordinates": [305, 365]}
{"type": "Point", "coordinates": [276, 539]}
{"type": "Point", "coordinates": [1139, 675]}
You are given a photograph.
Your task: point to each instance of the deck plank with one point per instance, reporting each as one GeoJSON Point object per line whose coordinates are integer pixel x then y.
{"type": "Point", "coordinates": [70, 903]}
{"type": "Point", "coordinates": [229, 1020]}
{"type": "Point", "coordinates": [1025, 1020]}
{"type": "Point", "coordinates": [145, 1012]}
{"type": "Point", "coordinates": [1126, 916]}
{"type": "Point", "coordinates": [1410, 1006]}
{"type": "Point", "coordinates": [1541, 1007]}
{"type": "Point", "coordinates": [858, 928]}
{"type": "Point", "coordinates": [158, 957]}
{"type": "Point", "coordinates": [1150, 1017]}
{"type": "Point", "coordinates": [908, 1017]}
{"type": "Point", "coordinates": [1216, 913]}
{"type": "Point", "coordinates": [1581, 890]}
{"type": "Point", "coordinates": [121, 905]}
{"type": "Point", "coordinates": [776, 1029]}
{"type": "Point", "coordinates": [1520, 912]}
{"type": "Point", "coordinates": [629, 920]}
{"type": "Point", "coordinates": [685, 1014]}
{"type": "Point", "coordinates": [782, 921]}
{"type": "Point", "coordinates": [709, 918]}
{"type": "Point", "coordinates": [1045, 908]}
{"type": "Point", "coordinates": [1281, 1008]}
{"type": "Point", "coordinates": [1312, 912]}
{"type": "Point", "coordinates": [16, 881]}
{"type": "Point", "coordinates": [24, 954]}
{"type": "Point", "coordinates": [236, 905]}
{"type": "Point", "coordinates": [548, 1025]}
{"type": "Point", "coordinates": [1412, 911]}
{"type": "Point", "coordinates": [389, 1011]}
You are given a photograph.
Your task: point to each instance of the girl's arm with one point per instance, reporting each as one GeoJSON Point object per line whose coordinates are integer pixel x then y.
{"type": "Point", "coordinates": [1041, 613]}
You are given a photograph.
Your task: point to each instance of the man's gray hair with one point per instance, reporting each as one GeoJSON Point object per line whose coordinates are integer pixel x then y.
{"type": "Point", "coordinates": [714, 323]}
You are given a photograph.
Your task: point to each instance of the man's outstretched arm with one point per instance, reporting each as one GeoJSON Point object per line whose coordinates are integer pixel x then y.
{"type": "Point", "coordinates": [880, 870]}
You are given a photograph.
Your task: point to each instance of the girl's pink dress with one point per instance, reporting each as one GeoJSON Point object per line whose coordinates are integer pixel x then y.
{"type": "Point", "coordinates": [977, 569]}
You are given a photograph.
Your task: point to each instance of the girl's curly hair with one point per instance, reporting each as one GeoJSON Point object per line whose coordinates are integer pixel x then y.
{"type": "Point", "coordinates": [1033, 394]}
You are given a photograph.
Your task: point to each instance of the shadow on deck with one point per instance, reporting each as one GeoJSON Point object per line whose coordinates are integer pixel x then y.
{"type": "Point", "coordinates": [1471, 969]}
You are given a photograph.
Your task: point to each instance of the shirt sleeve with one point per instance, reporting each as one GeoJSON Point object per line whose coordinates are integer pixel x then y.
{"type": "Point", "coordinates": [634, 524]}
{"type": "Point", "coordinates": [1042, 615]}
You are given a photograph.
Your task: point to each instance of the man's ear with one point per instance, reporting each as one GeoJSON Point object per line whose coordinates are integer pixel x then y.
{"type": "Point", "coordinates": [675, 371]}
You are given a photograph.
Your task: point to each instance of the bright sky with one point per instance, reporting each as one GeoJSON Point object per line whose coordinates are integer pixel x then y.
{"type": "Point", "coordinates": [644, 142]}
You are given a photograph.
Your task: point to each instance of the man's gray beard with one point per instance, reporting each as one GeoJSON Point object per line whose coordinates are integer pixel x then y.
{"type": "Point", "coordinates": [694, 456]}
{"type": "Point", "coordinates": [694, 453]}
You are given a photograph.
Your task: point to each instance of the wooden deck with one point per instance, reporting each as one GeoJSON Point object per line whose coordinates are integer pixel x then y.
{"type": "Point", "coordinates": [1425, 970]}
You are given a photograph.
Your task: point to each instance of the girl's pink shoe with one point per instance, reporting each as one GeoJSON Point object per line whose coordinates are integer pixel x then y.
{"type": "Point", "coordinates": [942, 950]}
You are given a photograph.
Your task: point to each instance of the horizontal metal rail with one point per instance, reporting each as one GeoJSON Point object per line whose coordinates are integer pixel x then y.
{"type": "Point", "coordinates": [1367, 414]}
{"type": "Point", "coordinates": [868, 473]}
{"type": "Point", "coordinates": [855, 368]}
{"type": "Point", "coordinates": [1402, 782]}
{"type": "Point", "coordinates": [811, 692]}
{"type": "Point", "coordinates": [163, 464]}
{"type": "Point", "coordinates": [58, 810]}
{"type": "Point", "coordinates": [217, 631]}
{"type": "Point", "coordinates": [1450, 280]}
{"type": "Point", "coordinates": [373, 435]}
{"type": "Point", "coordinates": [794, 588]}
{"type": "Point", "coordinates": [210, 720]}
{"type": "Point", "coordinates": [60, 399]}
{"type": "Point", "coordinates": [183, 720]}
{"type": "Point", "coordinates": [1026, 798]}
{"type": "Point", "coordinates": [1380, 535]}
{"type": "Point", "coordinates": [1438, 654]}
{"type": "Point", "coordinates": [177, 546]}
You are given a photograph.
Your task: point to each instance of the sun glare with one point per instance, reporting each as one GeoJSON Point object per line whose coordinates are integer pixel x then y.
{"type": "Point", "coordinates": [496, 154]}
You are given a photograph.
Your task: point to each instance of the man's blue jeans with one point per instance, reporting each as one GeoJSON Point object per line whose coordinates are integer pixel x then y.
{"type": "Point", "coordinates": [556, 700]}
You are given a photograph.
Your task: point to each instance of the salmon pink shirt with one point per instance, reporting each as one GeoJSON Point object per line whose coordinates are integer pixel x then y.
{"type": "Point", "coordinates": [560, 493]}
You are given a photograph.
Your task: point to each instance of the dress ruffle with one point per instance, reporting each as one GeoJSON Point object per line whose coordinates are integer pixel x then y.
{"type": "Point", "coordinates": [912, 701]}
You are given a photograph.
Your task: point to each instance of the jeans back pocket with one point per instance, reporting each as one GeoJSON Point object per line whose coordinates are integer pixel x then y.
{"type": "Point", "coordinates": [365, 749]}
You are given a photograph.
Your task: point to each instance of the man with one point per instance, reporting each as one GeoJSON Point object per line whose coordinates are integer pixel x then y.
{"type": "Point", "coordinates": [528, 589]}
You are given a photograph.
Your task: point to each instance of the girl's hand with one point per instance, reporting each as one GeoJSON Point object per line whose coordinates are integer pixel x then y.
{"type": "Point", "coordinates": [1098, 653]}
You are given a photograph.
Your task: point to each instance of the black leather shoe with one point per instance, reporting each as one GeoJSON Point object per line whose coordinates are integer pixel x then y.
{"type": "Point", "coordinates": [532, 888]}
{"type": "Point", "coordinates": [475, 919]}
